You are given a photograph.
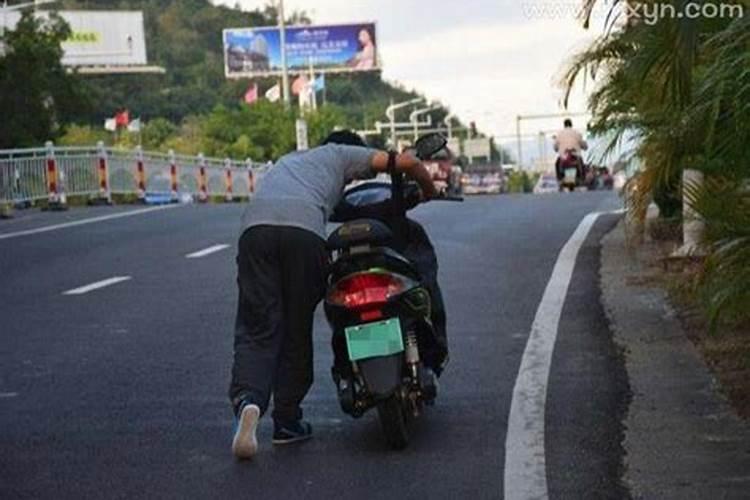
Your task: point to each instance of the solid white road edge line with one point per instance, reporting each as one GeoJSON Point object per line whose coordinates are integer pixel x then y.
{"type": "Point", "coordinates": [95, 286]}
{"type": "Point", "coordinates": [206, 251]}
{"type": "Point", "coordinates": [82, 222]}
{"type": "Point", "coordinates": [525, 470]}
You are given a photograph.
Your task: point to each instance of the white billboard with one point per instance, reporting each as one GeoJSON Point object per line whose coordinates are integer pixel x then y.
{"type": "Point", "coordinates": [100, 38]}
{"type": "Point", "coordinates": [454, 144]}
{"type": "Point", "coordinates": [477, 148]}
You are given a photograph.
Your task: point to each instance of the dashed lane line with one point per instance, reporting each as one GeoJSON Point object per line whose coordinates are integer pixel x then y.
{"type": "Point", "coordinates": [206, 251]}
{"type": "Point", "coordinates": [96, 286]}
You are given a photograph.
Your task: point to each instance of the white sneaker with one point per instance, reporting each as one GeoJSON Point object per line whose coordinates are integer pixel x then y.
{"type": "Point", "coordinates": [245, 444]}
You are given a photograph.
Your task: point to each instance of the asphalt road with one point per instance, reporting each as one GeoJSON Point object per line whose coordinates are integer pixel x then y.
{"type": "Point", "coordinates": [121, 392]}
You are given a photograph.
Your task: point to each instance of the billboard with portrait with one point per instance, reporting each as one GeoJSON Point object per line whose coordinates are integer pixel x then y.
{"type": "Point", "coordinates": [252, 52]}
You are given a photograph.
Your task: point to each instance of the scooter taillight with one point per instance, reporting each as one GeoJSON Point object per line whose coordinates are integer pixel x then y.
{"type": "Point", "coordinates": [365, 289]}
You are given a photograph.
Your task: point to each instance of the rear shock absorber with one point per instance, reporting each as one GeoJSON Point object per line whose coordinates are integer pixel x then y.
{"type": "Point", "coordinates": [412, 355]}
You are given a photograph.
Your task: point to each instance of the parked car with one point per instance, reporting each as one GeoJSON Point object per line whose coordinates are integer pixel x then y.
{"type": "Point", "coordinates": [485, 179]}
{"type": "Point", "coordinates": [547, 183]}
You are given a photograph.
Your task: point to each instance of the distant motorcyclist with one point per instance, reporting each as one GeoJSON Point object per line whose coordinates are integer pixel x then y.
{"type": "Point", "coordinates": [568, 145]}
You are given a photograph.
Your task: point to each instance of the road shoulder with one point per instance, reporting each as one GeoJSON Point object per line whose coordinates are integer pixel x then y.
{"type": "Point", "coordinates": [682, 439]}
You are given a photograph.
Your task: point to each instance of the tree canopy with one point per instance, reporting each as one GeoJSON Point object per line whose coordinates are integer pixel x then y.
{"type": "Point", "coordinates": [37, 94]}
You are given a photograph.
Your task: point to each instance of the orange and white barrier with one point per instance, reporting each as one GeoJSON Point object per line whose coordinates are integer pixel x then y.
{"type": "Point", "coordinates": [173, 175]}
{"type": "Point", "coordinates": [202, 179]}
{"type": "Point", "coordinates": [228, 195]}
{"type": "Point", "coordinates": [55, 190]}
{"type": "Point", "coordinates": [140, 174]}
{"type": "Point", "coordinates": [105, 195]}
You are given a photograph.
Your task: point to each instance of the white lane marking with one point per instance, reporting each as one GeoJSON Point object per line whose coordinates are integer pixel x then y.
{"type": "Point", "coordinates": [81, 222]}
{"type": "Point", "coordinates": [95, 286]}
{"type": "Point", "coordinates": [525, 470]}
{"type": "Point", "coordinates": [8, 395]}
{"type": "Point", "coordinates": [206, 251]}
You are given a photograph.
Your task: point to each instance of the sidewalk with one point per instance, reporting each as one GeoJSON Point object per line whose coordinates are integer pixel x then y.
{"type": "Point", "coordinates": [682, 439]}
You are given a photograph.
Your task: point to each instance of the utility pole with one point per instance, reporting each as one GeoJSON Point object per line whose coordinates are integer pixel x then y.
{"type": "Point", "coordinates": [518, 139]}
{"type": "Point", "coordinates": [284, 68]}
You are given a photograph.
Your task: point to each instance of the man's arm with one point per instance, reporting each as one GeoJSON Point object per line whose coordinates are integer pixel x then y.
{"type": "Point", "coordinates": [409, 165]}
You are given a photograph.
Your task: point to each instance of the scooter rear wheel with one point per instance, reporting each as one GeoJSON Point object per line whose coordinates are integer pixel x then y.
{"type": "Point", "coordinates": [394, 422]}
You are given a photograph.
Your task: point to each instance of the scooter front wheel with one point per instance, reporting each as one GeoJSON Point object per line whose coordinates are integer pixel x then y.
{"type": "Point", "coordinates": [393, 420]}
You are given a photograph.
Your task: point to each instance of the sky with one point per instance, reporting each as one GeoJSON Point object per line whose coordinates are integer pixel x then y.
{"type": "Point", "coordinates": [487, 60]}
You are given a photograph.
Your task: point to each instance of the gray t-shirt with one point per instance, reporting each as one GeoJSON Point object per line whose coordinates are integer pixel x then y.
{"type": "Point", "coordinates": [302, 188]}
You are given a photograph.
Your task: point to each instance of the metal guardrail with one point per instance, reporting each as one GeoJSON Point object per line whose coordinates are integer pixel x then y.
{"type": "Point", "coordinates": [30, 175]}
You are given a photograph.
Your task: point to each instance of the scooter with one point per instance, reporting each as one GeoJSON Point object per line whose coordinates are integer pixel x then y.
{"type": "Point", "coordinates": [378, 307]}
{"type": "Point", "coordinates": [571, 167]}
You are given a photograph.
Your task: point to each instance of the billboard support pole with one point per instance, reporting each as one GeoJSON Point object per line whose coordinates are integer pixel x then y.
{"type": "Point", "coordinates": [284, 68]}
{"type": "Point", "coordinates": [312, 84]}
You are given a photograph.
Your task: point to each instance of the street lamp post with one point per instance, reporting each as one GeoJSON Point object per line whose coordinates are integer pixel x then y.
{"type": "Point", "coordinates": [390, 112]}
{"type": "Point", "coordinates": [413, 118]}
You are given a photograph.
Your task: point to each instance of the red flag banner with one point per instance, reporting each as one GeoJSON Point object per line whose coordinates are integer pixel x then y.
{"type": "Point", "coordinates": [122, 118]}
{"type": "Point", "coordinates": [252, 94]}
{"type": "Point", "coordinates": [299, 85]}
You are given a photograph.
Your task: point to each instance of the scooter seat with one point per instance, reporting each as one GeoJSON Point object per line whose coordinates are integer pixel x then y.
{"type": "Point", "coordinates": [360, 232]}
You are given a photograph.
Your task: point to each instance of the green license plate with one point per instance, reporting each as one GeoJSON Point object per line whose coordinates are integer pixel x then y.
{"type": "Point", "coordinates": [571, 174]}
{"type": "Point", "coordinates": [370, 340]}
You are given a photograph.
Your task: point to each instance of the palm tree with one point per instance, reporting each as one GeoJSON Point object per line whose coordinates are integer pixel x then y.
{"type": "Point", "coordinates": [682, 87]}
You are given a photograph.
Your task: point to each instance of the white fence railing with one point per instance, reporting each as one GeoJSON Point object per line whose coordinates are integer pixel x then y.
{"type": "Point", "coordinates": [51, 173]}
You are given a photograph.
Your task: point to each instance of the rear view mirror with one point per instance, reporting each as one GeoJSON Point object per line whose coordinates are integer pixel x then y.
{"type": "Point", "coordinates": [429, 144]}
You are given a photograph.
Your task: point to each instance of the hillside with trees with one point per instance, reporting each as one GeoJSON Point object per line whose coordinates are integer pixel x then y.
{"type": "Point", "coordinates": [193, 107]}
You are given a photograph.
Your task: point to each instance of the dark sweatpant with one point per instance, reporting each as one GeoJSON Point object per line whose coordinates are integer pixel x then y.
{"type": "Point", "coordinates": [281, 276]}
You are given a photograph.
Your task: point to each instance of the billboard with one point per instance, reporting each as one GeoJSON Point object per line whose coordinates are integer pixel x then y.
{"type": "Point", "coordinates": [100, 38]}
{"type": "Point", "coordinates": [477, 148]}
{"type": "Point", "coordinates": [252, 52]}
{"type": "Point", "coordinates": [454, 144]}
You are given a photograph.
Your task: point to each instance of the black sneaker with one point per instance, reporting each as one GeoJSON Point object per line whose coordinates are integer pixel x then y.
{"type": "Point", "coordinates": [291, 432]}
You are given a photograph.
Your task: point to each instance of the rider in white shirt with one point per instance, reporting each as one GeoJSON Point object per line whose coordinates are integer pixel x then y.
{"type": "Point", "coordinates": [568, 140]}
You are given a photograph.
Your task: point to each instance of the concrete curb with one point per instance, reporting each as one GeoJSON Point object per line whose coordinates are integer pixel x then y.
{"type": "Point", "coordinates": [682, 439]}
